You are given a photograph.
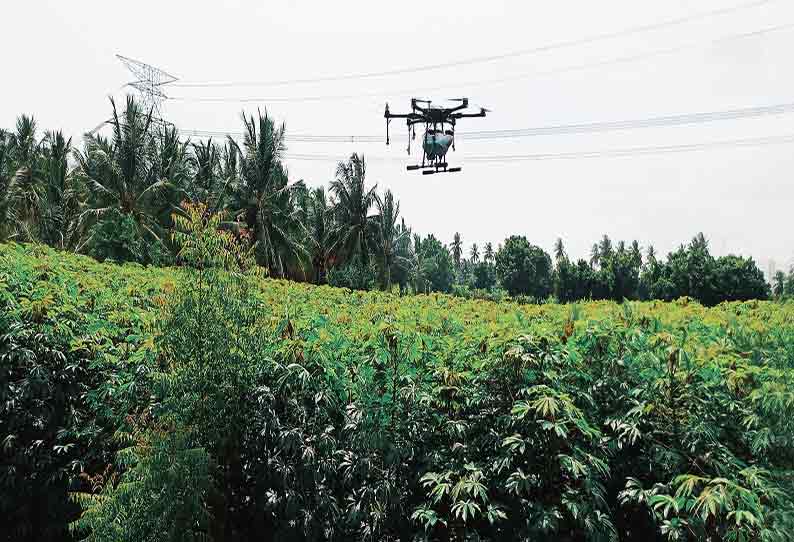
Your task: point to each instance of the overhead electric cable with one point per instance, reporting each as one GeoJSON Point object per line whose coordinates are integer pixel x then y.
{"type": "Point", "coordinates": [560, 129]}
{"type": "Point", "coordinates": [640, 151]}
{"type": "Point", "coordinates": [487, 58]}
{"type": "Point", "coordinates": [606, 153]}
{"type": "Point", "coordinates": [653, 122]}
{"type": "Point", "coordinates": [493, 81]}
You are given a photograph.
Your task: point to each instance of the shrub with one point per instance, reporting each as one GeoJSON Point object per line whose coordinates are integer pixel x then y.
{"type": "Point", "coordinates": [354, 275]}
{"type": "Point", "coordinates": [118, 238]}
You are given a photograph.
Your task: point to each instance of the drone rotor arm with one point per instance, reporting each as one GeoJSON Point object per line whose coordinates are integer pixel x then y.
{"type": "Point", "coordinates": [390, 115]}
{"type": "Point", "coordinates": [468, 115]}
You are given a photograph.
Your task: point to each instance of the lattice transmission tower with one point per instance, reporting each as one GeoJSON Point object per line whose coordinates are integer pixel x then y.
{"type": "Point", "coordinates": [149, 84]}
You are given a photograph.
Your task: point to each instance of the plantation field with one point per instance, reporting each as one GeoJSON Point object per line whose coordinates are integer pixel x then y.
{"type": "Point", "coordinates": [127, 298]}
{"type": "Point", "coordinates": [321, 413]}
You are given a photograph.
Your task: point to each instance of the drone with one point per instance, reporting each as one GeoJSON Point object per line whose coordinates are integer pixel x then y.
{"type": "Point", "coordinates": [438, 138]}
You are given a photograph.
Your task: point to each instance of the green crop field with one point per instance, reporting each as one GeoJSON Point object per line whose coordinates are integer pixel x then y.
{"type": "Point", "coordinates": [145, 400]}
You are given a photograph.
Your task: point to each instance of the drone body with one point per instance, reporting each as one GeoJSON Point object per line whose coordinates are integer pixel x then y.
{"type": "Point", "coordinates": [439, 133]}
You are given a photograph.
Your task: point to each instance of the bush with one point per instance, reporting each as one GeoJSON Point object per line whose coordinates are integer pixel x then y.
{"type": "Point", "coordinates": [48, 428]}
{"type": "Point", "coordinates": [355, 276]}
{"type": "Point", "coordinates": [68, 366]}
{"type": "Point", "coordinates": [118, 238]}
{"type": "Point", "coordinates": [493, 294]}
{"type": "Point", "coordinates": [461, 290]}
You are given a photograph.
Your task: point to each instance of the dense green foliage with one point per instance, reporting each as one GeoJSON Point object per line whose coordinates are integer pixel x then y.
{"type": "Point", "coordinates": [524, 268]}
{"type": "Point", "coordinates": [113, 199]}
{"type": "Point", "coordinates": [207, 402]}
{"type": "Point", "coordinates": [783, 286]}
{"type": "Point", "coordinates": [69, 361]}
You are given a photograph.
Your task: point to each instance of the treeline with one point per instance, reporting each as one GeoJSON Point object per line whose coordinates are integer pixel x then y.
{"type": "Point", "coordinates": [614, 272]}
{"type": "Point", "coordinates": [114, 199]}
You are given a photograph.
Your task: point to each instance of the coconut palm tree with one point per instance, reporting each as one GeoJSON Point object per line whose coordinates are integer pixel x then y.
{"type": "Point", "coordinates": [779, 286]}
{"type": "Point", "coordinates": [262, 197]}
{"type": "Point", "coordinates": [6, 199]}
{"type": "Point", "coordinates": [559, 249]}
{"type": "Point", "coordinates": [319, 227]}
{"type": "Point", "coordinates": [21, 186]}
{"type": "Point", "coordinates": [122, 173]}
{"type": "Point", "coordinates": [789, 287]}
{"type": "Point", "coordinates": [595, 255]}
{"type": "Point", "coordinates": [228, 176]}
{"type": "Point", "coordinates": [25, 149]}
{"type": "Point", "coordinates": [418, 265]}
{"type": "Point", "coordinates": [651, 253]}
{"type": "Point", "coordinates": [457, 250]}
{"type": "Point", "coordinates": [63, 197]}
{"type": "Point", "coordinates": [404, 255]}
{"type": "Point", "coordinates": [605, 250]}
{"type": "Point", "coordinates": [206, 162]}
{"type": "Point", "coordinates": [605, 247]}
{"type": "Point", "coordinates": [474, 255]}
{"type": "Point", "coordinates": [172, 161]}
{"type": "Point", "coordinates": [636, 253]}
{"type": "Point", "coordinates": [488, 255]}
{"type": "Point", "coordinates": [387, 233]}
{"type": "Point", "coordinates": [354, 201]}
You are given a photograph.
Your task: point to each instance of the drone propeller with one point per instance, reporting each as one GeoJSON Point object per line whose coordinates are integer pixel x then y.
{"type": "Point", "coordinates": [421, 100]}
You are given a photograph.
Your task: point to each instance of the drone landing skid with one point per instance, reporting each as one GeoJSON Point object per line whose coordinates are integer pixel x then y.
{"type": "Point", "coordinates": [430, 170]}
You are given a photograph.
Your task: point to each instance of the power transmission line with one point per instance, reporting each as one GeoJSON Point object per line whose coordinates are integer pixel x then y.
{"type": "Point", "coordinates": [488, 58]}
{"type": "Point", "coordinates": [641, 151]}
{"type": "Point", "coordinates": [494, 81]}
{"type": "Point", "coordinates": [653, 122]}
{"type": "Point", "coordinates": [607, 153]}
{"type": "Point", "coordinates": [562, 129]}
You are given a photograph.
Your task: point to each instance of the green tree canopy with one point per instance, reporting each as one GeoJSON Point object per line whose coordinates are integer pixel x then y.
{"type": "Point", "coordinates": [354, 200]}
{"type": "Point", "coordinates": [129, 187]}
{"type": "Point", "coordinates": [524, 269]}
{"type": "Point", "coordinates": [437, 266]}
{"type": "Point", "coordinates": [387, 234]}
{"type": "Point", "coordinates": [736, 279]}
{"type": "Point", "coordinates": [263, 195]}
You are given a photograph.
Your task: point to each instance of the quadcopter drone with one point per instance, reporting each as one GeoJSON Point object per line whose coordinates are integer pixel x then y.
{"type": "Point", "coordinates": [437, 138]}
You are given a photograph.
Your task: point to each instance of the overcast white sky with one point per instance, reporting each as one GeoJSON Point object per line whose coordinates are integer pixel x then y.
{"type": "Point", "coordinates": [60, 66]}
